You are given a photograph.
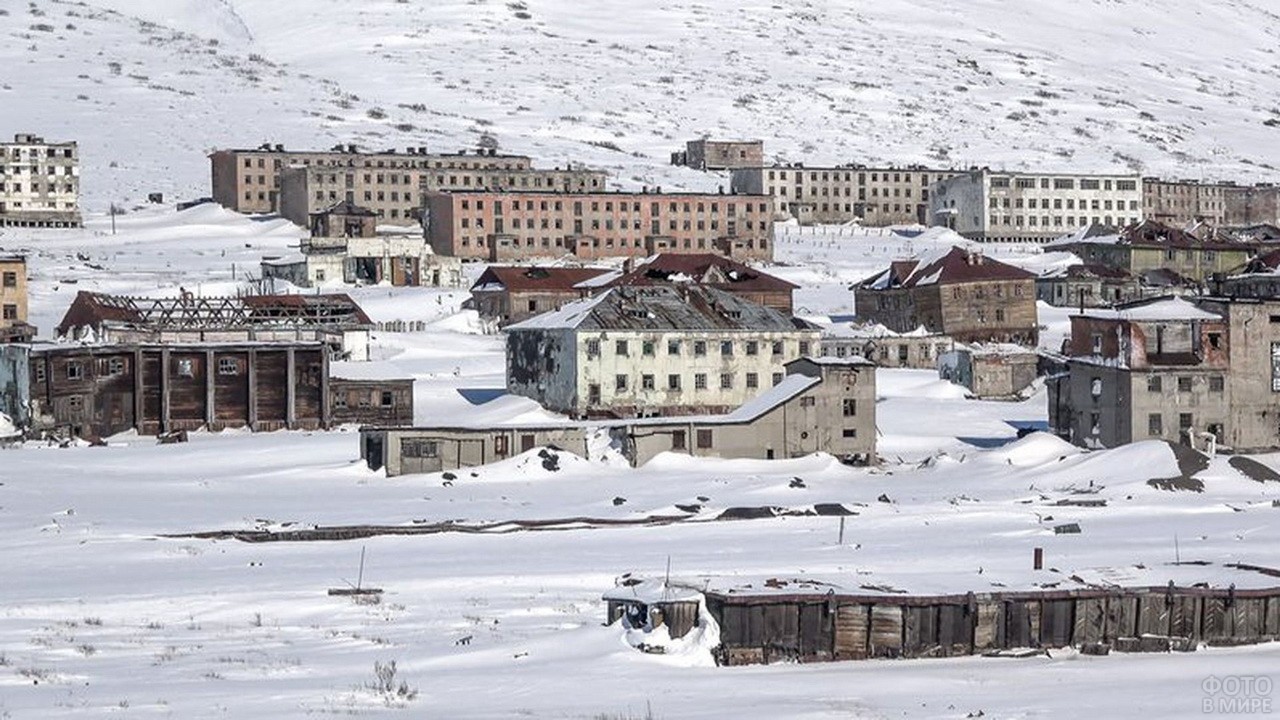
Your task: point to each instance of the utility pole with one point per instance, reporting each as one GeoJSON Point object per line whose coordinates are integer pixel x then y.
{"type": "Point", "coordinates": [114, 210]}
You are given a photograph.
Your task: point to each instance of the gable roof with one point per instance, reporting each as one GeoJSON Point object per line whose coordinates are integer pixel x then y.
{"type": "Point", "coordinates": [944, 267]}
{"type": "Point", "coordinates": [516, 278]}
{"type": "Point", "coordinates": [90, 309]}
{"type": "Point", "coordinates": [663, 307]}
{"type": "Point", "coordinates": [707, 269]}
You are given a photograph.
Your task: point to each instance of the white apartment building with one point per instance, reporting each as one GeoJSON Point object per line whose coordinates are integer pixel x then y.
{"type": "Point", "coordinates": [872, 196]}
{"type": "Point", "coordinates": [987, 205]}
{"type": "Point", "coordinates": [39, 183]}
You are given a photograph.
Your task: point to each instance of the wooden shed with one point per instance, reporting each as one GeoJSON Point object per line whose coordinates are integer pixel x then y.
{"type": "Point", "coordinates": [648, 605]}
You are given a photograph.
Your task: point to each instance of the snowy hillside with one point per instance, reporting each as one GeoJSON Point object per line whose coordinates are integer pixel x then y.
{"type": "Point", "coordinates": [148, 86]}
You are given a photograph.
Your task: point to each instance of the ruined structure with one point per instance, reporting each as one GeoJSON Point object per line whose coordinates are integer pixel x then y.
{"type": "Point", "coordinates": [39, 183]}
{"type": "Point", "coordinates": [872, 196]}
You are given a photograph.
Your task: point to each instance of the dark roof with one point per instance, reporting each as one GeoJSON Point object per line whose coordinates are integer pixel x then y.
{"type": "Point", "coordinates": [1151, 233]}
{"type": "Point", "coordinates": [708, 269]}
{"type": "Point", "coordinates": [1164, 277]}
{"type": "Point", "coordinates": [662, 307]}
{"type": "Point", "coordinates": [515, 278]}
{"type": "Point", "coordinates": [346, 207]}
{"type": "Point", "coordinates": [1083, 271]}
{"type": "Point", "coordinates": [955, 266]}
{"type": "Point", "coordinates": [91, 309]}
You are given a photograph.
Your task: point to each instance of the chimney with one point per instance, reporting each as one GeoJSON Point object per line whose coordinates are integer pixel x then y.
{"type": "Point", "coordinates": [279, 147]}
{"type": "Point", "coordinates": [351, 148]}
{"type": "Point", "coordinates": [422, 149]}
{"type": "Point", "coordinates": [627, 265]}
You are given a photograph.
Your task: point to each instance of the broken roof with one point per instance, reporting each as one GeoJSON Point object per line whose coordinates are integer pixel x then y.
{"type": "Point", "coordinates": [664, 307]}
{"type": "Point", "coordinates": [346, 207]}
{"type": "Point", "coordinates": [708, 269]}
{"type": "Point", "coordinates": [516, 278]}
{"type": "Point", "coordinates": [91, 309]}
{"type": "Point", "coordinates": [1172, 308]}
{"type": "Point", "coordinates": [944, 267]}
{"type": "Point", "coordinates": [1086, 271]}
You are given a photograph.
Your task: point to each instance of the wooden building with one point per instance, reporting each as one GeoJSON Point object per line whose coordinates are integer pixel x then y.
{"type": "Point", "coordinates": [370, 401]}
{"type": "Point", "coordinates": [706, 269]}
{"type": "Point", "coordinates": [957, 292]}
{"type": "Point", "coordinates": [505, 294]}
{"type": "Point", "coordinates": [101, 390]}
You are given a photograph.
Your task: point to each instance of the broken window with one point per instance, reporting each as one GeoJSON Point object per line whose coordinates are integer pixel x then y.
{"type": "Point", "coordinates": [673, 347]}
{"type": "Point", "coordinates": [593, 394]}
{"type": "Point", "coordinates": [673, 382]}
{"type": "Point", "coordinates": [777, 348]}
{"type": "Point", "coordinates": [677, 440]}
{"type": "Point", "coordinates": [185, 367]}
{"type": "Point", "coordinates": [726, 348]}
{"type": "Point", "coordinates": [75, 371]}
{"type": "Point", "coordinates": [620, 383]}
{"type": "Point", "coordinates": [700, 348]}
{"type": "Point", "coordinates": [387, 399]}
{"type": "Point", "coordinates": [1155, 424]}
{"type": "Point", "coordinates": [420, 448]}
{"type": "Point", "coordinates": [1095, 388]}
{"type": "Point", "coordinates": [228, 366]}
{"type": "Point", "coordinates": [704, 439]}
{"type": "Point", "coordinates": [850, 407]}
{"type": "Point", "coordinates": [1184, 384]}
{"type": "Point", "coordinates": [646, 382]}
{"type": "Point", "coordinates": [1216, 383]}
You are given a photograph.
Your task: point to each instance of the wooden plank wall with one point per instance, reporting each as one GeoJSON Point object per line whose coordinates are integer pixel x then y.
{"type": "Point", "coordinates": [826, 628]}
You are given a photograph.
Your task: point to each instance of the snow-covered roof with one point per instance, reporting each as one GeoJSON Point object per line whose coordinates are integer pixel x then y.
{"type": "Point", "coordinates": [874, 330]}
{"type": "Point", "coordinates": [664, 307]}
{"type": "Point", "coordinates": [1170, 308]}
{"type": "Point", "coordinates": [650, 592]}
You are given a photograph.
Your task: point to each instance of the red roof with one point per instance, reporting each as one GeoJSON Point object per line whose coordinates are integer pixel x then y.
{"type": "Point", "coordinates": [955, 266]}
{"type": "Point", "coordinates": [1152, 233]}
{"type": "Point", "coordinates": [515, 278]}
{"type": "Point", "coordinates": [707, 269]}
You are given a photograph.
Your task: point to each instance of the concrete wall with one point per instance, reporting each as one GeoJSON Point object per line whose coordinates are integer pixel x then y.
{"type": "Point", "coordinates": [543, 365]}
{"type": "Point", "coordinates": [1253, 423]}
{"type": "Point", "coordinates": [39, 183]}
{"type": "Point", "coordinates": [1183, 202]}
{"type": "Point", "coordinates": [874, 196]}
{"type": "Point", "coordinates": [918, 353]}
{"type": "Point", "coordinates": [988, 205]}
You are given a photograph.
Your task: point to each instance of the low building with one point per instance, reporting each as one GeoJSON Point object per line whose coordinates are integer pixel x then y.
{"type": "Point", "coordinates": [505, 294]}
{"type": "Point", "coordinates": [707, 154]}
{"type": "Point", "coordinates": [1087, 285]}
{"type": "Point", "coordinates": [343, 220]}
{"type": "Point", "coordinates": [1155, 368]}
{"type": "Point", "coordinates": [706, 269]}
{"type": "Point", "coordinates": [100, 390]}
{"type": "Point", "coordinates": [653, 351]}
{"type": "Point", "coordinates": [958, 292]}
{"type": "Point", "coordinates": [822, 405]}
{"type": "Point", "coordinates": [1258, 278]}
{"type": "Point", "coordinates": [917, 349]}
{"type": "Point", "coordinates": [370, 401]}
{"type": "Point", "coordinates": [990, 206]}
{"type": "Point", "coordinates": [398, 260]}
{"type": "Point", "coordinates": [872, 196]}
{"type": "Point", "coordinates": [334, 319]}
{"type": "Point", "coordinates": [524, 225]}
{"type": "Point", "coordinates": [39, 183]}
{"type": "Point", "coordinates": [990, 371]}
{"type": "Point", "coordinates": [1150, 245]}
{"type": "Point", "coordinates": [13, 300]}
{"type": "Point", "coordinates": [249, 180]}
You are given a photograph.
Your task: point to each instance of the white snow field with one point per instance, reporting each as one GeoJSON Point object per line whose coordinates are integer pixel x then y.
{"type": "Point", "coordinates": [102, 614]}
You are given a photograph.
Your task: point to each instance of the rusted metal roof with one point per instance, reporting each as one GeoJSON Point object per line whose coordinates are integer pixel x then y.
{"type": "Point", "coordinates": [514, 278]}
{"type": "Point", "coordinates": [955, 266]}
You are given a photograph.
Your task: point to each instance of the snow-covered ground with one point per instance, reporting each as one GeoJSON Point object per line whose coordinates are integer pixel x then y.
{"type": "Point", "coordinates": [102, 614]}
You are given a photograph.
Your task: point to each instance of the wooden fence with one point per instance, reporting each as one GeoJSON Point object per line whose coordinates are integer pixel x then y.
{"type": "Point", "coordinates": [764, 628]}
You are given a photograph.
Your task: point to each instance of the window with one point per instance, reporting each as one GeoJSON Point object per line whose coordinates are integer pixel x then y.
{"type": "Point", "coordinates": [620, 383]}
{"type": "Point", "coordinates": [699, 381]}
{"type": "Point", "coordinates": [593, 394]}
{"type": "Point", "coordinates": [807, 401]}
{"type": "Point", "coordinates": [704, 439]}
{"type": "Point", "coordinates": [1095, 423]}
{"type": "Point", "coordinates": [673, 347]}
{"type": "Point", "coordinates": [677, 440]}
{"type": "Point", "coordinates": [673, 382]}
{"type": "Point", "coordinates": [186, 367]}
{"type": "Point", "coordinates": [1216, 383]}
{"type": "Point", "coordinates": [1184, 384]}
{"type": "Point", "coordinates": [726, 381]}
{"type": "Point", "coordinates": [849, 433]}
{"type": "Point", "coordinates": [593, 348]}
{"type": "Point", "coordinates": [1275, 367]}
{"type": "Point", "coordinates": [699, 348]}
{"type": "Point", "coordinates": [804, 347]}
{"type": "Point", "coordinates": [75, 402]}
{"type": "Point", "coordinates": [340, 400]}
{"type": "Point", "coordinates": [777, 378]}
{"type": "Point", "coordinates": [1096, 340]}
{"type": "Point", "coordinates": [11, 279]}
{"type": "Point", "coordinates": [1095, 388]}
{"type": "Point", "coordinates": [419, 448]}
{"type": "Point", "coordinates": [620, 347]}
{"type": "Point", "coordinates": [10, 312]}
{"type": "Point", "coordinates": [1185, 422]}
{"type": "Point", "coordinates": [1155, 424]}
{"type": "Point", "coordinates": [646, 382]}
{"type": "Point", "coordinates": [228, 366]}
{"type": "Point", "coordinates": [115, 366]}
{"type": "Point", "coordinates": [726, 348]}
{"type": "Point", "coordinates": [777, 348]}
{"type": "Point", "coordinates": [1153, 383]}
{"type": "Point", "coordinates": [40, 372]}
{"type": "Point", "coordinates": [753, 380]}
{"type": "Point", "coordinates": [647, 347]}
{"type": "Point", "coordinates": [75, 371]}
{"type": "Point", "coordinates": [753, 347]}
{"type": "Point", "coordinates": [850, 407]}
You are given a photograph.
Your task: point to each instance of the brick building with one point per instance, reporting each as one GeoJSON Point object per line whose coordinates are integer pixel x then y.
{"type": "Point", "coordinates": [1184, 202]}
{"type": "Point", "coordinates": [503, 226]}
{"type": "Point", "coordinates": [874, 196]}
{"type": "Point", "coordinates": [39, 183]}
{"type": "Point", "coordinates": [957, 292]}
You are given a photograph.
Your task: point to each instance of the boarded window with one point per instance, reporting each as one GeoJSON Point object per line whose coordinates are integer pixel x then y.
{"type": "Point", "coordinates": [704, 439]}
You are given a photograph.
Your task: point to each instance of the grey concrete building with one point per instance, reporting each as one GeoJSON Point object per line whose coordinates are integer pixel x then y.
{"type": "Point", "coordinates": [39, 183]}
{"type": "Point", "coordinates": [821, 405]}
{"type": "Point", "coordinates": [642, 351]}
{"type": "Point", "coordinates": [918, 349]}
{"type": "Point", "coordinates": [990, 371]}
{"type": "Point", "coordinates": [707, 154]}
{"type": "Point", "coordinates": [987, 205]}
{"type": "Point", "coordinates": [873, 196]}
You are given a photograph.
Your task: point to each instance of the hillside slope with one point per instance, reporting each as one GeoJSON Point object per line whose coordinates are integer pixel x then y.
{"type": "Point", "coordinates": [1096, 85]}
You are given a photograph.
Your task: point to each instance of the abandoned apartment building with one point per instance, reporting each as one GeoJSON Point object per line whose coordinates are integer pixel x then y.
{"type": "Point", "coordinates": [249, 180]}
{"type": "Point", "coordinates": [648, 351]}
{"type": "Point", "coordinates": [345, 246]}
{"type": "Point", "coordinates": [396, 196]}
{"type": "Point", "coordinates": [958, 292]}
{"type": "Point", "coordinates": [39, 183]}
{"type": "Point", "coordinates": [917, 349]}
{"type": "Point", "coordinates": [1199, 371]}
{"type": "Point", "coordinates": [871, 196]}
{"type": "Point", "coordinates": [1149, 245]}
{"type": "Point", "coordinates": [75, 390]}
{"type": "Point", "coordinates": [821, 405]}
{"type": "Point", "coordinates": [505, 294]}
{"type": "Point", "coordinates": [993, 206]}
{"type": "Point", "coordinates": [1087, 285]}
{"type": "Point", "coordinates": [333, 319]}
{"type": "Point", "coordinates": [13, 300]}
{"type": "Point", "coordinates": [1257, 278]}
{"type": "Point", "coordinates": [520, 225]}
{"type": "Point", "coordinates": [704, 154]}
